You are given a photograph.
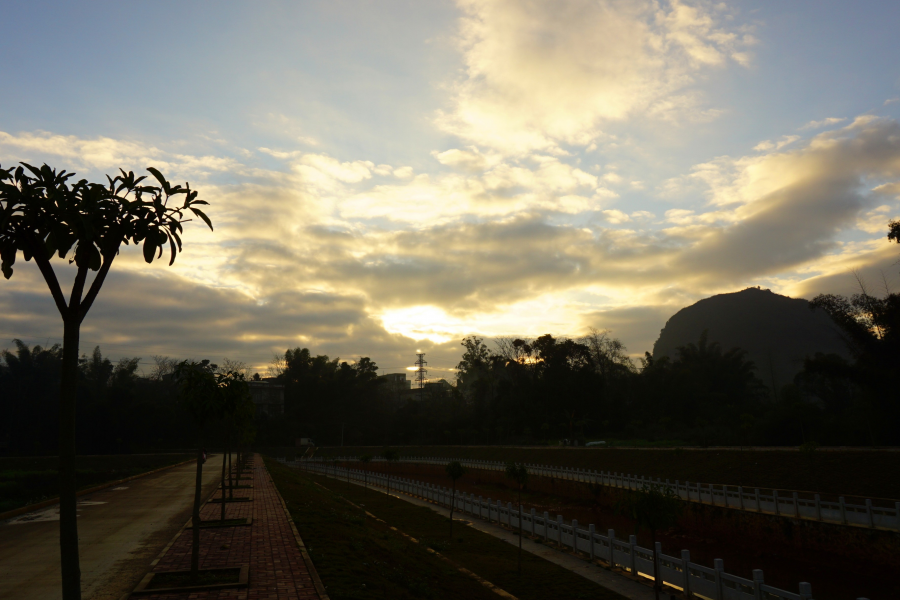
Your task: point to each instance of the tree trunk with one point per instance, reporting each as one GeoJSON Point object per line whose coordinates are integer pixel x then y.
{"type": "Point", "coordinates": [520, 530]}
{"type": "Point", "coordinates": [230, 475]}
{"type": "Point", "coordinates": [222, 513]}
{"type": "Point", "coordinates": [655, 565]}
{"type": "Point", "coordinates": [195, 518]}
{"type": "Point", "coordinates": [452, 502]}
{"type": "Point", "coordinates": [68, 526]}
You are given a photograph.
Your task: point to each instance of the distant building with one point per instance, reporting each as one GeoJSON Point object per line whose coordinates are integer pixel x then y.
{"type": "Point", "coordinates": [268, 398]}
{"type": "Point", "coordinates": [396, 381]}
{"type": "Point", "coordinates": [437, 387]}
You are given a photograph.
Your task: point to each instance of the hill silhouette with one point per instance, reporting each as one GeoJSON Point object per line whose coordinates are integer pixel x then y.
{"type": "Point", "coordinates": [777, 332]}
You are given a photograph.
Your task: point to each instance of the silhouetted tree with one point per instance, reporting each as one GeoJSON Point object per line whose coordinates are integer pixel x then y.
{"type": "Point", "coordinates": [365, 459]}
{"type": "Point", "coordinates": [454, 471]}
{"type": "Point", "coordinates": [653, 507]}
{"type": "Point", "coordinates": [43, 215]}
{"type": "Point", "coordinates": [519, 474]}
{"type": "Point", "coordinates": [389, 456]}
{"type": "Point", "coordinates": [207, 396]}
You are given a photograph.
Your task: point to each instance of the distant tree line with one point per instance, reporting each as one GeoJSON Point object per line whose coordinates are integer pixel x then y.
{"type": "Point", "coordinates": [518, 391]}
{"type": "Point", "coordinates": [117, 410]}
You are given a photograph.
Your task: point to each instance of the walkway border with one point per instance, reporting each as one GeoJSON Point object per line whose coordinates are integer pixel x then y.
{"type": "Point", "coordinates": [317, 581]}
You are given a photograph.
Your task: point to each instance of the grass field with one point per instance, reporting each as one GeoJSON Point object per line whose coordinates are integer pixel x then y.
{"type": "Point", "coordinates": [865, 473]}
{"type": "Point", "coordinates": [29, 480]}
{"type": "Point", "coordinates": [358, 557]}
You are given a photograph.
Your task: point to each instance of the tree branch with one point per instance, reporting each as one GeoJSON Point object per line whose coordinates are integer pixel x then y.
{"type": "Point", "coordinates": [108, 258]}
{"type": "Point", "coordinates": [43, 263]}
{"type": "Point", "coordinates": [78, 287]}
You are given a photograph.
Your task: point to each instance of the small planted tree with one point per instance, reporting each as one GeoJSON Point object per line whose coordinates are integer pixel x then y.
{"type": "Point", "coordinates": [237, 410]}
{"type": "Point", "coordinates": [653, 507]}
{"type": "Point", "coordinates": [44, 215]}
{"type": "Point", "coordinates": [201, 397]}
{"type": "Point", "coordinates": [365, 459]}
{"type": "Point", "coordinates": [389, 456]}
{"type": "Point", "coordinates": [519, 474]}
{"type": "Point", "coordinates": [454, 472]}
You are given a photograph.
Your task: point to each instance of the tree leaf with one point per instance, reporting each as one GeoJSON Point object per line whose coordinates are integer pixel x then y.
{"type": "Point", "coordinates": [149, 248]}
{"type": "Point", "coordinates": [200, 214]}
{"type": "Point", "coordinates": [160, 178]}
{"type": "Point", "coordinates": [173, 250]}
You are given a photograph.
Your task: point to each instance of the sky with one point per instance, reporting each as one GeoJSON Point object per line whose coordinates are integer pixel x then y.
{"type": "Point", "coordinates": [388, 177]}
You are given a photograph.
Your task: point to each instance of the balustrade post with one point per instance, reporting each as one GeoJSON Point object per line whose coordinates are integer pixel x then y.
{"type": "Point", "coordinates": [775, 496]}
{"type": "Point", "coordinates": [719, 566]}
{"type": "Point", "coordinates": [533, 513]}
{"type": "Point", "coordinates": [757, 584]}
{"type": "Point", "coordinates": [559, 524]}
{"type": "Point", "coordinates": [546, 526]}
{"type": "Point", "coordinates": [509, 514]}
{"type": "Point", "coordinates": [741, 497]}
{"type": "Point", "coordinates": [489, 510]}
{"type": "Point", "coordinates": [686, 572]}
{"type": "Point", "coordinates": [575, 535]}
{"type": "Point", "coordinates": [805, 591]}
{"type": "Point", "coordinates": [796, 505]}
{"type": "Point", "coordinates": [758, 503]}
{"type": "Point", "coordinates": [843, 510]}
{"type": "Point", "coordinates": [869, 515]}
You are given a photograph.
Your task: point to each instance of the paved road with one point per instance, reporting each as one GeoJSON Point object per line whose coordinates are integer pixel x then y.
{"type": "Point", "coordinates": [120, 531]}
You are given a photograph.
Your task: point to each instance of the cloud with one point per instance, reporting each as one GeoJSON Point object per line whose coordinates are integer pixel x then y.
{"type": "Point", "coordinates": [541, 74]}
{"type": "Point", "coordinates": [823, 123]}
{"type": "Point", "coordinates": [789, 207]}
{"type": "Point", "coordinates": [340, 255]}
{"type": "Point", "coordinates": [768, 145]}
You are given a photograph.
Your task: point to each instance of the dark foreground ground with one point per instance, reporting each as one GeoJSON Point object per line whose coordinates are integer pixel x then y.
{"type": "Point", "coordinates": [840, 562]}
{"type": "Point", "coordinates": [359, 557]}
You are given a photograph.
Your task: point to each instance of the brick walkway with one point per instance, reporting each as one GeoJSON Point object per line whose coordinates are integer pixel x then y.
{"type": "Point", "coordinates": [277, 569]}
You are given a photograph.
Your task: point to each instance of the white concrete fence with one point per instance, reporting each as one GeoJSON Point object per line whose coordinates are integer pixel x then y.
{"type": "Point", "coordinates": [786, 503]}
{"type": "Point", "coordinates": [678, 573]}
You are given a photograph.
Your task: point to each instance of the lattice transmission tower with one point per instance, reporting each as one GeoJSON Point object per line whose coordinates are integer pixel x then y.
{"type": "Point", "coordinates": [421, 371]}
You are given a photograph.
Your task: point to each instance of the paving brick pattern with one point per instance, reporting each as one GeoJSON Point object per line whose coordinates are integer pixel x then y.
{"type": "Point", "coordinates": [277, 569]}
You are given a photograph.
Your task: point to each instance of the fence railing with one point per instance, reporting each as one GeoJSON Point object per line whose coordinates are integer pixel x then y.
{"type": "Point", "coordinates": [677, 572]}
{"type": "Point", "coordinates": [788, 503]}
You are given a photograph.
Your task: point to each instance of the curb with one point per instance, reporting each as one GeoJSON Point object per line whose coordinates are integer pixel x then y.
{"type": "Point", "coordinates": [320, 588]}
{"type": "Point", "coordinates": [32, 507]}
